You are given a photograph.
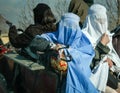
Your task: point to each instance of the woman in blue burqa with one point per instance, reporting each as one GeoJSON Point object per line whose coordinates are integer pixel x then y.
{"type": "Point", "coordinates": [78, 71]}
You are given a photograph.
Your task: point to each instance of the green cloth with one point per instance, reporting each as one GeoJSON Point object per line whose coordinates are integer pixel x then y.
{"type": "Point", "coordinates": [100, 51]}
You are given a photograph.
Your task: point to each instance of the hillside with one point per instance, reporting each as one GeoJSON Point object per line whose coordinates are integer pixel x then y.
{"type": "Point", "coordinates": [3, 26]}
{"type": "Point", "coordinates": [4, 30]}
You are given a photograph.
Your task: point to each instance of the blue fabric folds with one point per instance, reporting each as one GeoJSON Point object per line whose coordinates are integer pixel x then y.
{"type": "Point", "coordinates": [80, 48]}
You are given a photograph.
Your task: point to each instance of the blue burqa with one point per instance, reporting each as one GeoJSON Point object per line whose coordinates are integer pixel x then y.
{"type": "Point", "coordinates": [70, 34]}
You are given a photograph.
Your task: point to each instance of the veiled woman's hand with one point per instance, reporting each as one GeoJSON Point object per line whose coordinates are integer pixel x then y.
{"type": "Point", "coordinates": [110, 62]}
{"type": "Point", "coordinates": [105, 39]}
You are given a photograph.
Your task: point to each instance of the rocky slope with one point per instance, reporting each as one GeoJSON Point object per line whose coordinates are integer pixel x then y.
{"type": "Point", "coordinates": [3, 26]}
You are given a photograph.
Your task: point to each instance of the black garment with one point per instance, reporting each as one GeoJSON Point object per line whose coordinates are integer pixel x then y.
{"type": "Point", "coordinates": [112, 81]}
{"type": "Point", "coordinates": [89, 2]}
{"type": "Point", "coordinates": [43, 14]}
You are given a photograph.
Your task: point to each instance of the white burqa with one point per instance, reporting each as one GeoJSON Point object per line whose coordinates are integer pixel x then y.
{"type": "Point", "coordinates": [95, 26]}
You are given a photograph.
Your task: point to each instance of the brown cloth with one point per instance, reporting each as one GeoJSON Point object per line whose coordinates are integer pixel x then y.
{"type": "Point", "coordinates": [24, 39]}
{"type": "Point", "coordinates": [80, 8]}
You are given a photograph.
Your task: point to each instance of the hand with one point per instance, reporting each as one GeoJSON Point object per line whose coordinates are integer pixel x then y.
{"type": "Point", "coordinates": [110, 62]}
{"type": "Point", "coordinates": [56, 46]}
{"type": "Point", "coordinates": [105, 39]}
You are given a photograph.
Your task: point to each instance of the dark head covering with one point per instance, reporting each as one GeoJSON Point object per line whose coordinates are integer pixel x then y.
{"type": "Point", "coordinates": [43, 14]}
{"type": "Point", "coordinates": [80, 8]}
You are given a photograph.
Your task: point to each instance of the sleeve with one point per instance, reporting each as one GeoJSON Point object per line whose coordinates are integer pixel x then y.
{"type": "Point", "coordinates": [39, 44]}
{"type": "Point", "coordinates": [49, 36]}
{"type": "Point", "coordinates": [12, 36]}
{"type": "Point", "coordinates": [100, 51]}
{"type": "Point", "coordinates": [18, 40]}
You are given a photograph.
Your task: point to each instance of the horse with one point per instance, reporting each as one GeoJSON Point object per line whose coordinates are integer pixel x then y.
{"type": "Point", "coordinates": [41, 81]}
{"type": "Point", "coordinates": [3, 83]}
{"type": "Point", "coordinates": [23, 80]}
{"type": "Point", "coordinates": [26, 80]}
{"type": "Point", "coordinates": [6, 71]}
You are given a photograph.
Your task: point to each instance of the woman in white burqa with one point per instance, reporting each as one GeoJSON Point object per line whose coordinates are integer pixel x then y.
{"type": "Point", "coordinates": [94, 28]}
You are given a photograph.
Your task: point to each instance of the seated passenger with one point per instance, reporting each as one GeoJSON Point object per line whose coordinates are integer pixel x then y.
{"type": "Point", "coordinates": [80, 8]}
{"type": "Point", "coordinates": [79, 48]}
{"type": "Point", "coordinates": [44, 22]}
{"type": "Point", "coordinates": [96, 29]}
